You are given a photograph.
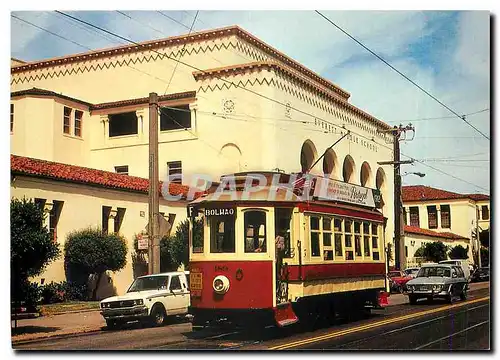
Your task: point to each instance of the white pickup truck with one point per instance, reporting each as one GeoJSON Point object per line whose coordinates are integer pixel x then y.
{"type": "Point", "coordinates": [150, 298]}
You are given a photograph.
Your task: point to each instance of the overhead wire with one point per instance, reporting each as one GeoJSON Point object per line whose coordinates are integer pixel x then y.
{"type": "Point", "coordinates": [438, 118]}
{"type": "Point", "coordinates": [260, 95]}
{"type": "Point", "coordinates": [403, 75]}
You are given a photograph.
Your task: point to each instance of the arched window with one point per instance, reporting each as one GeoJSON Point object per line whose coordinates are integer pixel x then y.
{"type": "Point", "coordinates": [308, 155]}
{"type": "Point", "coordinates": [230, 158]}
{"type": "Point", "coordinates": [380, 183]}
{"type": "Point", "coordinates": [330, 164]}
{"type": "Point", "coordinates": [366, 175]}
{"type": "Point", "coordinates": [348, 169]}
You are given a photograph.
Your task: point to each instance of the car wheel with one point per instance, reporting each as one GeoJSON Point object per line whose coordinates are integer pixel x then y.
{"type": "Point", "coordinates": [413, 299]}
{"type": "Point", "coordinates": [158, 315]}
{"type": "Point", "coordinates": [463, 295]}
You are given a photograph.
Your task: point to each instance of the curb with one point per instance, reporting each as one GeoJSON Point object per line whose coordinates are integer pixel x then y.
{"type": "Point", "coordinates": [56, 337]}
{"type": "Point", "coordinates": [70, 312]}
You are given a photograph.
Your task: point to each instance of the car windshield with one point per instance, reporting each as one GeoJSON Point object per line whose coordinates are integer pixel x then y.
{"type": "Point", "coordinates": [149, 283]}
{"type": "Point", "coordinates": [434, 271]}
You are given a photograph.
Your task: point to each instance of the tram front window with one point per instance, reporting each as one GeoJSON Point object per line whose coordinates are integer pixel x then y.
{"type": "Point", "coordinates": [222, 235]}
{"type": "Point", "coordinates": [255, 231]}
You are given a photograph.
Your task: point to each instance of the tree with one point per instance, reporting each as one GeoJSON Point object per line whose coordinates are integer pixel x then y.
{"type": "Point", "coordinates": [31, 245]}
{"type": "Point", "coordinates": [420, 251]}
{"type": "Point", "coordinates": [91, 252]}
{"type": "Point", "coordinates": [435, 251]}
{"type": "Point", "coordinates": [485, 257]}
{"type": "Point", "coordinates": [459, 252]}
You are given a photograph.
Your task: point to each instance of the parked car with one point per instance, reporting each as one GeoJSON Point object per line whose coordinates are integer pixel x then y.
{"type": "Point", "coordinates": [412, 272]}
{"type": "Point", "coordinates": [150, 298]}
{"type": "Point", "coordinates": [398, 280]}
{"type": "Point", "coordinates": [481, 274]}
{"type": "Point", "coordinates": [464, 264]}
{"type": "Point", "coordinates": [438, 281]}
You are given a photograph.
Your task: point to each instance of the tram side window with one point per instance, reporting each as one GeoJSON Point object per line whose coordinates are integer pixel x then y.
{"type": "Point", "coordinates": [255, 231]}
{"type": "Point", "coordinates": [314, 225]}
{"type": "Point", "coordinates": [357, 238]}
{"type": "Point", "coordinates": [198, 234]}
{"type": "Point", "coordinates": [282, 219]}
{"type": "Point", "coordinates": [366, 240]}
{"type": "Point", "coordinates": [349, 253]}
{"type": "Point", "coordinates": [222, 234]}
{"type": "Point", "coordinates": [375, 248]}
{"type": "Point", "coordinates": [327, 239]}
{"type": "Point", "coordinates": [337, 227]}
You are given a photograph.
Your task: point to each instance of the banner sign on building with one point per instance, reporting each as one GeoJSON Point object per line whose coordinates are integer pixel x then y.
{"type": "Point", "coordinates": [334, 190]}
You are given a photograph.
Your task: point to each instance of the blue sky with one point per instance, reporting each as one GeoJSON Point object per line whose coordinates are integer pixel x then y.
{"type": "Point", "coordinates": [447, 53]}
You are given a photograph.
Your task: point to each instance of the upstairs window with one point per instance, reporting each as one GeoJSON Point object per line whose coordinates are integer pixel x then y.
{"type": "Point", "coordinates": [106, 210]}
{"type": "Point", "coordinates": [175, 171]}
{"type": "Point", "coordinates": [54, 215]}
{"type": "Point", "coordinates": [445, 216]}
{"type": "Point", "coordinates": [175, 118]}
{"type": "Point", "coordinates": [432, 215]}
{"type": "Point", "coordinates": [67, 120]}
{"type": "Point", "coordinates": [122, 169]}
{"type": "Point", "coordinates": [123, 124]}
{"type": "Point", "coordinates": [414, 216]}
{"type": "Point", "coordinates": [78, 123]}
{"type": "Point", "coordinates": [485, 212]}
{"type": "Point", "coordinates": [11, 117]}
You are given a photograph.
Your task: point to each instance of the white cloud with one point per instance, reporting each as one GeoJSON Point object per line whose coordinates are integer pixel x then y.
{"type": "Point", "coordinates": [460, 77]}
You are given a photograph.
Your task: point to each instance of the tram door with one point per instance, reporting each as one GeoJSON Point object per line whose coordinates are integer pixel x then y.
{"type": "Point", "coordinates": [282, 226]}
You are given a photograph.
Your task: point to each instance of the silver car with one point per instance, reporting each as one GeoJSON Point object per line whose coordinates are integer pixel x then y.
{"type": "Point", "coordinates": [437, 281]}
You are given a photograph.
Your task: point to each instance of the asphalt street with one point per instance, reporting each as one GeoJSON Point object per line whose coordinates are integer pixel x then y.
{"type": "Point", "coordinates": [424, 326]}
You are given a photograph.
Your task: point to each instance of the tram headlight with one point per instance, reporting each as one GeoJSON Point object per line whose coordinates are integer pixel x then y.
{"type": "Point", "coordinates": [221, 284]}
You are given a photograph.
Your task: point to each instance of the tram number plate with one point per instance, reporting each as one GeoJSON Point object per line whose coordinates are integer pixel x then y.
{"type": "Point", "coordinates": [196, 281]}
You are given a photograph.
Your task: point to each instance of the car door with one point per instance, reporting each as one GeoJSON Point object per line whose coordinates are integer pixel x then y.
{"type": "Point", "coordinates": [176, 300]}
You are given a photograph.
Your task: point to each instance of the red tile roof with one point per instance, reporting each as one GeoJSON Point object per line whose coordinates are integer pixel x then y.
{"type": "Point", "coordinates": [47, 93]}
{"type": "Point", "coordinates": [426, 232]}
{"type": "Point", "coordinates": [478, 197]}
{"type": "Point", "coordinates": [58, 171]}
{"type": "Point", "coordinates": [422, 193]}
{"type": "Point", "coordinates": [139, 101]}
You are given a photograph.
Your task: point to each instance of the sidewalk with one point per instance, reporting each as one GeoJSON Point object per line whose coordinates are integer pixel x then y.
{"type": "Point", "coordinates": [56, 325]}
{"type": "Point", "coordinates": [81, 322]}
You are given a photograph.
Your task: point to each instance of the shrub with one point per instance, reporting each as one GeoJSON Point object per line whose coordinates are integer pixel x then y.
{"type": "Point", "coordinates": [90, 252]}
{"type": "Point", "coordinates": [459, 252]}
{"type": "Point", "coordinates": [31, 246]}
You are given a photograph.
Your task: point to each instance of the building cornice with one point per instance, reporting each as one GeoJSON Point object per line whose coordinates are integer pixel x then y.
{"type": "Point", "coordinates": [241, 69]}
{"type": "Point", "coordinates": [182, 40]}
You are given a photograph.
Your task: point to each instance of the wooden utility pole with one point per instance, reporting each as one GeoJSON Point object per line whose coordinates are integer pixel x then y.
{"type": "Point", "coordinates": [399, 244]}
{"type": "Point", "coordinates": [154, 192]}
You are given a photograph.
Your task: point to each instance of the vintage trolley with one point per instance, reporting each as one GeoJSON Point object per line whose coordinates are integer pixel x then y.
{"type": "Point", "coordinates": [285, 252]}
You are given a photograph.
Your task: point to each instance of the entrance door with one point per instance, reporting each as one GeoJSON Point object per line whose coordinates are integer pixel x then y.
{"type": "Point", "coordinates": [282, 226]}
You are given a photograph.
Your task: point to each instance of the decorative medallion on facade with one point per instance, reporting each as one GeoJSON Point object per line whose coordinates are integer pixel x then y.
{"type": "Point", "coordinates": [228, 106]}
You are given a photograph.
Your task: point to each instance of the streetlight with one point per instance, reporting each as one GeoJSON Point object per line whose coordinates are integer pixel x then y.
{"type": "Point", "coordinates": [414, 173]}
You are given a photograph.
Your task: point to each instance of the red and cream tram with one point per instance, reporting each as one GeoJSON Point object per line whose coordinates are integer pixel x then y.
{"type": "Point", "coordinates": [281, 254]}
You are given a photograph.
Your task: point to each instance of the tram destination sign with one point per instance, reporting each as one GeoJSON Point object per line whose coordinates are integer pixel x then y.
{"type": "Point", "coordinates": [220, 212]}
{"type": "Point", "coordinates": [333, 190]}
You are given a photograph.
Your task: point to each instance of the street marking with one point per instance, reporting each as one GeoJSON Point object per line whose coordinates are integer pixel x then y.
{"type": "Point", "coordinates": [449, 336]}
{"type": "Point", "coordinates": [411, 326]}
{"type": "Point", "coordinates": [373, 325]}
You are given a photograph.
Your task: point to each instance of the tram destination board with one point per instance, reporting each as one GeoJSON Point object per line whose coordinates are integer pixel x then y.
{"type": "Point", "coordinates": [225, 211]}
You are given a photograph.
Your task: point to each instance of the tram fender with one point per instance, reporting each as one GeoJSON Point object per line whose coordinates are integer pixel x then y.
{"type": "Point", "coordinates": [284, 315]}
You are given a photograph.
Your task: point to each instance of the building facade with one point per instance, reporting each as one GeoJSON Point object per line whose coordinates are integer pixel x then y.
{"type": "Point", "coordinates": [459, 217]}
{"type": "Point", "coordinates": [232, 104]}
